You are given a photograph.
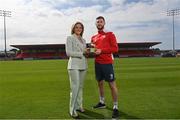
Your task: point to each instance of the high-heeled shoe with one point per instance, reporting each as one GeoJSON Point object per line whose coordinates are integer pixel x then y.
{"type": "Point", "coordinates": [81, 110]}
{"type": "Point", "coordinates": [74, 115]}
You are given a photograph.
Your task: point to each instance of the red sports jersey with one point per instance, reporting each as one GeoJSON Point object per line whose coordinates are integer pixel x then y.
{"type": "Point", "coordinates": [106, 41]}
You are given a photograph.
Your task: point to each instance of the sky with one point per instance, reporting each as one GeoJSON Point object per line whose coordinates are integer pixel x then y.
{"type": "Point", "coordinates": [50, 21]}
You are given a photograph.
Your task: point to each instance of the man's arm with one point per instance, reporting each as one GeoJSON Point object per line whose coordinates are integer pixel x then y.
{"type": "Point", "coordinates": [113, 44]}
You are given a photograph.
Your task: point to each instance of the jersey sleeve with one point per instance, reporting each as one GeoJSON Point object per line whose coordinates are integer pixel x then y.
{"type": "Point", "coordinates": [113, 45]}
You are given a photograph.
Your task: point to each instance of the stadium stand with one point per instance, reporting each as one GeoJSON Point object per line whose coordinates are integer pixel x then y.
{"type": "Point", "coordinates": [57, 51]}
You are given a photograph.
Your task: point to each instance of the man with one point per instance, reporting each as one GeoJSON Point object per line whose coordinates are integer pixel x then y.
{"type": "Point", "coordinates": [105, 44]}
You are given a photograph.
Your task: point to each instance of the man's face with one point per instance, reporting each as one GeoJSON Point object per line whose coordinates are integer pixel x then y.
{"type": "Point", "coordinates": [100, 24]}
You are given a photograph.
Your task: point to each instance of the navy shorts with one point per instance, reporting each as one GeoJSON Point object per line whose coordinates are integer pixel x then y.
{"type": "Point", "coordinates": [104, 72]}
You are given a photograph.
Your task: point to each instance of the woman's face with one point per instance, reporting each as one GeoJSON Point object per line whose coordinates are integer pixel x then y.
{"type": "Point", "coordinates": [78, 29]}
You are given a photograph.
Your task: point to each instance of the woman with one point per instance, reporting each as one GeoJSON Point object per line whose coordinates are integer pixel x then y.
{"type": "Point", "coordinates": [77, 65]}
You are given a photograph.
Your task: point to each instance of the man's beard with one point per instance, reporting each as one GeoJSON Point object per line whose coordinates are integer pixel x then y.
{"type": "Point", "coordinates": [100, 28]}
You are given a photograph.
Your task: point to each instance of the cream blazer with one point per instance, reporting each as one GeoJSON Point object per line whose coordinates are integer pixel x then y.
{"type": "Point", "coordinates": [75, 50]}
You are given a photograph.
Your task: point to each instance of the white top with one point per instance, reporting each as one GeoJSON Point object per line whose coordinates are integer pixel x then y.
{"type": "Point", "coordinates": [75, 50]}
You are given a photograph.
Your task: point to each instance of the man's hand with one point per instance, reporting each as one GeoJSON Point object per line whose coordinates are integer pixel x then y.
{"type": "Point", "coordinates": [98, 51]}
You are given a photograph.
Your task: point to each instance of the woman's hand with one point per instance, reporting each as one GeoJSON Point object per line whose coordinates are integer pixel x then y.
{"type": "Point", "coordinates": [86, 52]}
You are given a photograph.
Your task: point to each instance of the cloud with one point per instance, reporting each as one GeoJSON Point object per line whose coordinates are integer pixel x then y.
{"type": "Point", "coordinates": [50, 21]}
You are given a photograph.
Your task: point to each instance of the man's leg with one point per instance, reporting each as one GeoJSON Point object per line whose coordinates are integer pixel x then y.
{"type": "Point", "coordinates": [110, 78]}
{"type": "Point", "coordinates": [101, 103]}
{"type": "Point", "coordinates": [99, 78]}
{"type": "Point", "coordinates": [101, 91]}
{"type": "Point", "coordinates": [114, 93]}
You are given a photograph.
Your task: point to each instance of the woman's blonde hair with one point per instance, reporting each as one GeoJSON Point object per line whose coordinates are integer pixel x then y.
{"type": "Point", "coordinates": [74, 25]}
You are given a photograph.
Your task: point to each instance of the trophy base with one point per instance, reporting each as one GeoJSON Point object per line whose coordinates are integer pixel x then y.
{"type": "Point", "coordinates": [92, 50]}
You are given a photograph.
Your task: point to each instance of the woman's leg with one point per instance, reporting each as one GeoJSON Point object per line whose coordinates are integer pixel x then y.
{"type": "Point", "coordinates": [74, 85]}
{"type": "Point", "coordinates": [82, 75]}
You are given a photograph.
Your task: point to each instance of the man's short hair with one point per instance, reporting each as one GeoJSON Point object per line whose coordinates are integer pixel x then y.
{"type": "Point", "coordinates": [100, 17]}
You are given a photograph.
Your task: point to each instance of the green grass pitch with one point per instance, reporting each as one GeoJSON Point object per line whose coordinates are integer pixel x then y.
{"type": "Point", "coordinates": [39, 89]}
